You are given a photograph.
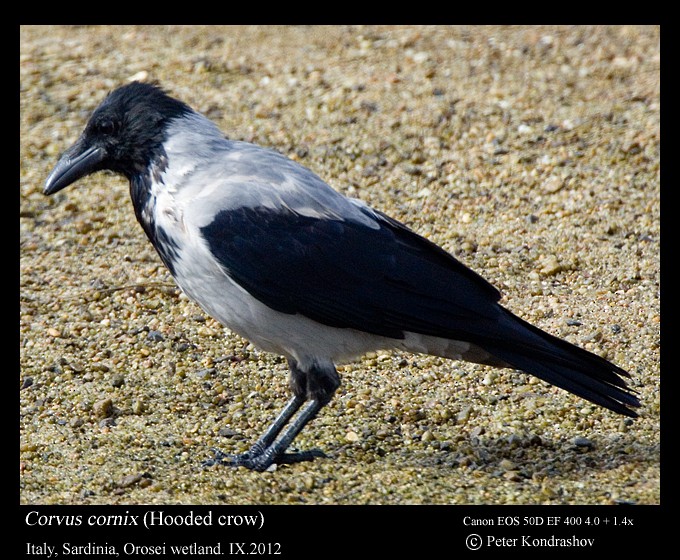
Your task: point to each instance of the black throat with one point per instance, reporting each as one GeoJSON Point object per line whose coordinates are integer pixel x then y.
{"type": "Point", "coordinates": [144, 203]}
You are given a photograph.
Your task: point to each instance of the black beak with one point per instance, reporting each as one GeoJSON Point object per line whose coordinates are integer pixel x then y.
{"type": "Point", "coordinates": [79, 160]}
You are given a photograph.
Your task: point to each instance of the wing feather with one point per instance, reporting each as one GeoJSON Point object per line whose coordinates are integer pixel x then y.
{"type": "Point", "coordinates": [380, 278]}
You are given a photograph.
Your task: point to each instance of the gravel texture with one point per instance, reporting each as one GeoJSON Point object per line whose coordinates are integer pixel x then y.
{"type": "Point", "coordinates": [530, 153]}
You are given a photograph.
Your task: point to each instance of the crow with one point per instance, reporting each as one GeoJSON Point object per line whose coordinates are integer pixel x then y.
{"type": "Point", "coordinates": [272, 252]}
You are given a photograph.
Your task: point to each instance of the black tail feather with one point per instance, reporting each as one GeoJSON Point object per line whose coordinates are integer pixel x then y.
{"type": "Point", "coordinates": [564, 365]}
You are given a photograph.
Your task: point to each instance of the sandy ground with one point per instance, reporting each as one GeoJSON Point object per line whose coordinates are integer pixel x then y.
{"type": "Point", "coordinates": [530, 153]}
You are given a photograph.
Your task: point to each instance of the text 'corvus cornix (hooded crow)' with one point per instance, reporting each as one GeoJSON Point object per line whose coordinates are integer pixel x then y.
{"type": "Point", "coordinates": [267, 248]}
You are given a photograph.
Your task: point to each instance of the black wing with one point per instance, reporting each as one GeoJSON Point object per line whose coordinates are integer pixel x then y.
{"type": "Point", "coordinates": [383, 280]}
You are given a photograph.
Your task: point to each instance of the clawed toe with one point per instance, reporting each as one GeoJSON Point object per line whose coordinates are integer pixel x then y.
{"type": "Point", "coordinates": [261, 460]}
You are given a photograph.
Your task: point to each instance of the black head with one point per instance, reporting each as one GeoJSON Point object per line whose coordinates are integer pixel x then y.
{"type": "Point", "coordinates": [124, 134]}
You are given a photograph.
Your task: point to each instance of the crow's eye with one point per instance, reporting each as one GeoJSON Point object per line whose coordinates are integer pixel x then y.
{"type": "Point", "coordinates": [106, 126]}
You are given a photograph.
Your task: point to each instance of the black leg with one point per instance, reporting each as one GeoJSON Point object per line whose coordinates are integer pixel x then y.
{"type": "Point", "coordinates": [276, 426]}
{"type": "Point", "coordinates": [315, 386]}
{"type": "Point", "coordinates": [268, 450]}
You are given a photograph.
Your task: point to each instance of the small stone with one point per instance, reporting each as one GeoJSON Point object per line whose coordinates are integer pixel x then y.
{"type": "Point", "coordinates": [103, 408]}
{"type": "Point", "coordinates": [568, 124]}
{"type": "Point", "coordinates": [580, 441]}
{"type": "Point", "coordinates": [420, 57]}
{"type": "Point", "coordinates": [514, 440]}
{"type": "Point", "coordinates": [117, 380]}
{"type": "Point", "coordinates": [489, 378]}
{"type": "Point", "coordinates": [547, 41]}
{"type": "Point", "coordinates": [129, 480]}
{"type": "Point", "coordinates": [152, 303]}
{"type": "Point", "coordinates": [463, 415]}
{"type": "Point", "coordinates": [553, 184]}
{"type": "Point", "coordinates": [107, 423]}
{"type": "Point", "coordinates": [308, 481]}
{"type": "Point", "coordinates": [507, 465]}
{"type": "Point", "coordinates": [352, 437]}
{"type": "Point", "coordinates": [140, 76]}
{"type": "Point", "coordinates": [83, 226]}
{"type": "Point", "coordinates": [227, 432]}
{"type": "Point", "coordinates": [550, 265]}
{"type": "Point", "coordinates": [77, 367]}
{"type": "Point", "coordinates": [155, 336]}
{"type": "Point", "coordinates": [512, 476]}
{"type": "Point", "coordinates": [477, 431]}
{"type": "Point", "coordinates": [205, 331]}
{"type": "Point", "coordinates": [548, 491]}
{"type": "Point", "coordinates": [138, 406]}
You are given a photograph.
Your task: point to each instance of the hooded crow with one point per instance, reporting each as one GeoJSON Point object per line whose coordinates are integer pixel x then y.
{"type": "Point", "coordinates": [267, 248]}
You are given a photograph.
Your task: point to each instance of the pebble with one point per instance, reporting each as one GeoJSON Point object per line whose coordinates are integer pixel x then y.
{"type": "Point", "coordinates": [512, 476]}
{"type": "Point", "coordinates": [463, 415]}
{"type": "Point", "coordinates": [138, 405]}
{"type": "Point", "coordinates": [580, 441]}
{"type": "Point", "coordinates": [227, 432]}
{"type": "Point", "coordinates": [155, 336]}
{"type": "Point", "coordinates": [514, 440]}
{"type": "Point", "coordinates": [507, 465]}
{"type": "Point", "coordinates": [490, 377]}
{"type": "Point", "coordinates": [553, 184]}
{"type": "Point", "coordinates": [524, 129]}
{"type": "Point", "coordinates": [550, 265]}
{"type": "Point", "coordinates": [118, 380]}
{"type": "Point", "coordinates": [141, 76]}
{"type": "Point", "coordinates": [103, 408]}
{"type": "Point", "coordinates": [352, 437]}
{"type": "Point", "coordinates": [107, 423]}
{"type": "Point", "coordinates": [129, 480]}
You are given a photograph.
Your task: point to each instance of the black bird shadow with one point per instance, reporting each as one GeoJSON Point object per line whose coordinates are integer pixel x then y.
{"type": "Point", "coordinates": [534, 458]}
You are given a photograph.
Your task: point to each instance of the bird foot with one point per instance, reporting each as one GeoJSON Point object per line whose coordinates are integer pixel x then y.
{"type": "Point", "coordinates": [258, 459]}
